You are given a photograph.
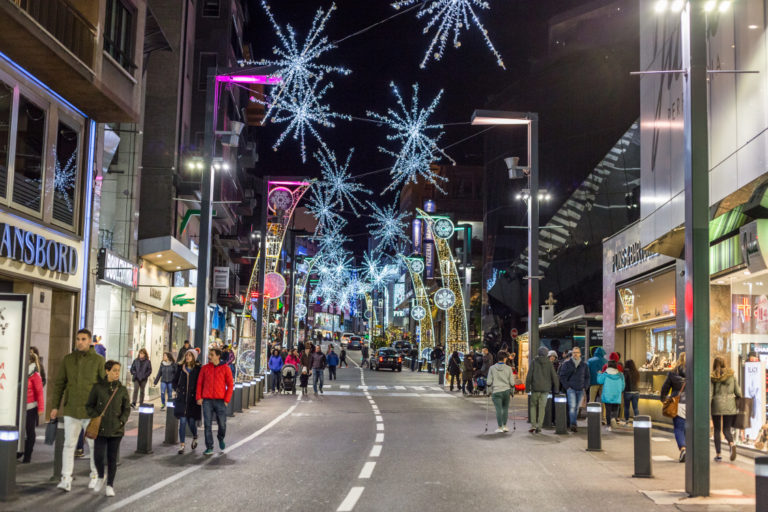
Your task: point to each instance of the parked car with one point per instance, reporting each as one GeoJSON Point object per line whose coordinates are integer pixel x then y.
{"type": "Point", "coordinates": [387, 358]}
{"type": "Point", "coordinates": [354, 343]}
{"type": "Point", "coordinates": [402, 347]}
{"type": "Point", "coordinates": [345, 338]}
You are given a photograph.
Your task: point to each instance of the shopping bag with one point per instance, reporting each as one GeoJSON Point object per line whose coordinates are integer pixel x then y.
{"type": "Point", "coordinates": [50, 431]}
{"type": "Point", "coordinates": [743, 418]}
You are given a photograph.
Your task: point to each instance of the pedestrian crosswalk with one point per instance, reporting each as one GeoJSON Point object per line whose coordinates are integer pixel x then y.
{"type": "Point", "coordinates": [347, 387]}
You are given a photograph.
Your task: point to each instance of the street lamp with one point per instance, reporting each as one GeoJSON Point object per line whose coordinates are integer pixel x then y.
{"type": "Point", "coordinates": [531, 120]}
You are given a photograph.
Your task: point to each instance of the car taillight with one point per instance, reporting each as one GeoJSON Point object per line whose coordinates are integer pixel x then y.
{"type": "Point", "coordinates": [399, 359]}
{"type": "Point", "coordinates": [381, 359]}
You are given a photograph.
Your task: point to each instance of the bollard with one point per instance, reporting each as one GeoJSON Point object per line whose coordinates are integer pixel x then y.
{"type": "Point", "coordinates": [254, 392]}
{"type": "Point", "coordinates": [262, 385]}
{"type": "Point", "coordinates": [231, 406]}
{"type": "Point", "coordinates": [761, 483]}
{"type": "Point", "coordinates": [171, 425]}
{"type": "Point", "coordinates": [246, 395]}
{"type": "Point", "coordinates": [594, 414]}
{"type": "Point", "coordinates": [561, 413]}
{"type": "Point", "coordinates": [146, 420]}
{"type": "Point", "coordinates": [529, 407]}
{"type": "Point", "coordinates": [642, 431]}
{"type": "Point", "coordinates": [258, 390]}
{"type": "Point", "coordinates": [548, 413]}
{"type": "Point", "coordinates": [58, 451]}
{"type": "Point", "coordinates": [237, 397]}
{"type": "Point", "coordinates": [9, 440]}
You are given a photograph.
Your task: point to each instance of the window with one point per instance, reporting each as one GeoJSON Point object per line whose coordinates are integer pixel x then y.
{"type": "Point", "coordinates": [211, 8]}
{"type": "Point", "coordinates": [207, 60]}
{"type": "Point", "coordinates": [28, 164]}
{"type": "Point", "coordinates": [65, 173]}
{"type": "Point", "coordinates": [118, 34]}
{"type": "Point", "coordinates": [6, 110]}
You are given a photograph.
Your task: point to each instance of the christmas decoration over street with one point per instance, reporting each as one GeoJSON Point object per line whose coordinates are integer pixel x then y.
{"type": "Point", "coordinates": [338, 182]}
{"type": "Point", "coordinates": [445, 298]}
{"type": "Point", "coordinates": [443, 228]}
{"type": "Point", "coordinates": [388, 226]}
{"type": "Point", "coordinates": [418, 313]}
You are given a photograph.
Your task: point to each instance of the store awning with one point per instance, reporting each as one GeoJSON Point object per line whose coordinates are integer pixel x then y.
{"type": "Point", "coordinates": [570, 316]}
{"type": "Point", "coordinates": [167, 253]}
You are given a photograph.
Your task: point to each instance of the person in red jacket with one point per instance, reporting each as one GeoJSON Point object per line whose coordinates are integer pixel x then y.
{"type": "Point", "coordinates": [35, 405]}
{"type": "Point", "coordinates": [616, 357]}
{"type": "Point", "coordinates": [214, 391]}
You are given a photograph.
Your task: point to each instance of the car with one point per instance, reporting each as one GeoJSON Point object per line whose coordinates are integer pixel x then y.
{"type": "Point", "coordinates": [387, 357]}
{"type": "Point", "coordinates": [345, 338]}
{"type": "Point", "coordinates": [355, 343]}
{"type": "Point", "coordinates": [402, 347]}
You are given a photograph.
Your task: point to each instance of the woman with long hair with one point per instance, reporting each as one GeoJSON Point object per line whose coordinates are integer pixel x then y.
{"type": "Point", "coordinates": [185, 406]}
{"type": "Point", "coordinates": [724, 392]}
{"type": "Point", "coordinates": [35, 404]}
{"type": "Point", "coordinates": [675, 386]}
{"type": "Point", "coordinates": [141, 369]}
{"type": "Point", "coordinates": [631, 394]}
{"type": "Point", "coordinates": [166, 375]}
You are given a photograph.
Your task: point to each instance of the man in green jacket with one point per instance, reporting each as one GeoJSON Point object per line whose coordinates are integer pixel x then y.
{"type": "Point", "coordinates": [540, 382]}
{"type": "Point", "coordinates": [79, 371]}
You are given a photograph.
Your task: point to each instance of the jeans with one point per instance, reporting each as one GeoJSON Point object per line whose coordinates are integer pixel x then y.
{"type": "Point", "coordinates": [29, 440]}
{"type": "Point", "coordinates": [110, 445]}
{"type": "Point", "coordinates": [727, 425]}
{"type": "Point", "coordinates": [574, 400]}
{"type": "Point", "coordinates": [343, 361]}
{"type": "Point", "coordinates": [317, 375]}
{"type": "Point", "coordinates": [466, 386]}
{"type": "Point", "coordinates": [183, 422]}
{"type": "Point", "coordinates": [611, 412]}
{"type": "Point", "coordinates": [332, 373]}
{"type": "Point", "coordinates": [631, 398]}
{"type": "Point", "coordinates": [166, 387]}
{"type": "Point", "coordinates": [72, 429]}
{"type": "Point", "coordinates": [275, 380]}
{"type": "Point", "coordinates": [679, 424]}
{"type": "Point", "coordinates": [537, 408]}
{"type": "Point", "coordinates": [457, 378]}
{"type": "Point", "coordinates": [501, 403]}
{"type": "Point", "coordinates": [138, 390]}
{"type": "Point", "coordinates": [211, 407]}
{"type": "Point", "coordinates": [413, 363]}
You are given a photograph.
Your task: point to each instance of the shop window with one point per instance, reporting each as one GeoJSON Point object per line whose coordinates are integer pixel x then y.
{"type": "Point", "coordinates": [211, 8]}
{"type": "Point", "coordinates": [6, 110]}
{"type": "Point", "coordinates": [118, 34]}
{"type": "Point", "coordinates": [65, 174]}
{"type": "Point", "coordinates": [649, 300]}
{"type": "Point", "coordinates": [28, 164]}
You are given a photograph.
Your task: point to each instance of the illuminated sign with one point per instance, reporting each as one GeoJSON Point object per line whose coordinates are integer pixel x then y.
{"type": "Point", "coordinates": [118, 271]}
{"type": "Point", "coordinates": [33, 249]}
{"type": "Point", "coordinates": [631, 256]}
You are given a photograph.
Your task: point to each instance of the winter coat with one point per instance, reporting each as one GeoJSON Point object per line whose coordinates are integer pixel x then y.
{"type": "Point", "coordinates": [275, 363]}
{"type": "Point", "coordinates": [454, 366]}
{"type": "Point", "coordinates": [184, 405]}
{"type": "Point", "coordinates": [364, 351]}
{"type": "Point", "coordinates": [595, 364]}
{"type": "Point", "coordinates": [343, 355]}
{"type": "Point", "coordinates": [304, 379]}
{"type": "Point", "coordinates": [35, 391]}
{"type": "Point", "coordinates": [318, 361]}
{"type": "Point", "coordinates": [306, 360]}
{"type": "Point", "coordinates": [293, 361]}
{"type": "Point", "coordinates": [469, 368]}
{"type": "Point", "coordinates": [113, 421]}
{"type": "Point", "coordinates": [166, 373]}
{"type": "Point", "coordinates": [215, 383]}
{"type": "Point", "coordinates": [574, 377]}
{"type": "Point", "coordinates": [332, 359]}
{"type": "Point", "coordinates": [141, 369]}
{"type": "Point", "coordinates": [487, 363]}
{"type": "Point", "coordinates": [673, 385]}
{"type": "Point", "coordinates": [541, 377]}
{"type": "Point", "coordinates": [723, 393]}
{"type": "Point", "coordinates": [182, 353]}
{"type": "Point", "coordinates": [628, 386]}
{"type": "Point", "coordinates": [78, 373]}
{"type": "Point", "coordinates": [500, 378]}
{"type": "Point", "coordinates": [612, 381]}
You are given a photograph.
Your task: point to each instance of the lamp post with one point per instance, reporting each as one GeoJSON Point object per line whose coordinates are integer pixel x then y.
{"type": "Point", "coordinates": [531, 120]}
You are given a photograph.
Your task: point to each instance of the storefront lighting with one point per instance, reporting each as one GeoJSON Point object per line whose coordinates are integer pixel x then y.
{"type": "Point", "coordinates": [170, 261]}
{"type": "Point", "coordinates": [724, 6]}
{"type": "Point", "coordinates": [178, 268]}
{"type": "Point", "coordinates": [660, 6]}
{"type": "Point", "coordinates": [677, 6]}
{"type": "Point", "coordinates": [752, 27]}
{"type": "Point", "coordinates": [746, 272]}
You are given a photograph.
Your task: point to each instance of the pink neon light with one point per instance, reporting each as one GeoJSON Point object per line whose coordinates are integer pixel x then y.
{"type": "Point", "coordinates": [250, 79]}
{"type": "Point", "coordinates": [294, 183]}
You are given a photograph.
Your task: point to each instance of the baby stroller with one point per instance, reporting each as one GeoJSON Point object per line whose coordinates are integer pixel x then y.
{"type": "Point", "coordinates": [480, 387]}
{"type": "Point", "coordinates": [289, 378]}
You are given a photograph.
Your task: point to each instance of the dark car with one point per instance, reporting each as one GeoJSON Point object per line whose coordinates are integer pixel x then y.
{"type": "Point", "coordinates": [387, 358]}
{"type": "Point", "coordinates": [355, 343]}
{"type": "Point", "coordinates": [402, 347]}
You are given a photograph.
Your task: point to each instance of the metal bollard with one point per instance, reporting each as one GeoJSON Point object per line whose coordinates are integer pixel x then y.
{"type": "Point", "coordinates": [594, 439]}
{"type": "Point", "coordinates": [262, 385]}
{"type": "Point", "coordinates": [642, 432]}
{"type": "Point", "coordinates": [58, 451]}
{"type": "Point", "coordinates": [561, 413]}
{"type": "Point", "coordinates": [761, 483]}
{"type": "Point", "coordinates": [246, 395]}
{"type": "Point", "coordinates": [529, 407]}
{"type": "Point", "coordinates": [146, 420]}
{"type": "Point", "coordinates": [254, 392]}
{"type": "Point", "coordinates": [548, 413]}
{"type": "Point", "coordinates": [237, 397]}
{"type": "Point", "coordinates": [258, 390]}
{"type": "Point", "coordinates": [231, 406]}
{"type": "Point", "coordinates": [9, 440]}
{"type": "Point", "coordinates": [171, 425]}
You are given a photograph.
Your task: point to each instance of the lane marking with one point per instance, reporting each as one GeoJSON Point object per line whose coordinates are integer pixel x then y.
{"type": "Point", "coordinates": [382, 387]}
{"type": "Point", "coordinates": [401, 388]}
{"type": "Point", "coordinates": [436, 388]}
{"type": "Point", "coordinates": [375, 451]}
{"type": "Point", "coordinates": [363, 387]}
{"type": "Point", "coordinates": [367, 470]}
{"type": "Point", "coordinates": [379, 419]}
{"type": "Point", "coordinates": [344, 386]}
{"type": "Point", "coordinates": [380, 437]}
{"type": "Point", "coordinates": [163, 483]}
{"type": "Point", "coordinates": [418, 388]}
{"type": "Point", "coordinates": [379, 426]}
{"type": "Point", "coordinates": [351, 500]}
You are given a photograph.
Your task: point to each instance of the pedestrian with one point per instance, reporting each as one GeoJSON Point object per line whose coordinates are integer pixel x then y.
{"type": "Point", "coordinates": [343, 358]}
{"type": "Point", "coordinates": [214, 391]}
{"type": "Point", "coordinates": [674, 386]}
{"type": "Point", "coordinates": [487, 362]}
{"type": "Point", "coordinates": [454, 370]}
{"type": "Point", "coordinates": [552, 355]}
{"type": "Point", "coordinates": [631, 394]}
{"type": "Point", "coordinates": [540, 381]}
{"type": "Point", "coordinates": [437, 358]}
{"type": "Point", "coordinates": [414, 353]}
{"type": "Point", "coordinates": [616, 357]}
{"type": "Point", "coordinates": [306, 357]}
{"type": "Point", "coordinates": [166, 375]}
{"type": "Point", "coordinates": [40, 365]}
{"type": "Point", "coordinates": [365, 362]}
{"type": "Point", "coordinates": [99, 347]}
{"type": "Point", "coordinates": [501, 382]}
{"type": "Point", "coordinates": [275, 365]}
{"type": "Point", "coordinates": [574, 378]}
{"type": "Point", "coordinates": [293, 359]}
{"type": "Point", "coordinates": [612, 382]}
{"type": "Point", "coordinates": [79, 371]}
{"type": "Point", "coordinates": [304, 379]}
{"type": "Point", "coordinates": [467, 375]}
{"type": "Point", "coordinates": [35, 405]}
{"type": "Point", "coordinates": [141, 369]}
{"type": "Point", "coordinates": [185, 347]}
{"type": "Point", "coordinates": [332, 358]}
{"type": "Point", "coordinates": [595, 364]}
{"type": "Point", "coordinates": [185, 406]}
{"type": "Point", "coordinates": [109, 399]}
{"type": "Point", "coordinates": [319, 363]}
{"type": "Point", "coordinates": [724, 393]}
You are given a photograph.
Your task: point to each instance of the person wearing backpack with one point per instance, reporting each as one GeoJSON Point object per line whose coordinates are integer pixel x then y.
{"type": "Point", "coordinates": [612, 382]}
{"type": "Point", "coordinates": [723, 394]}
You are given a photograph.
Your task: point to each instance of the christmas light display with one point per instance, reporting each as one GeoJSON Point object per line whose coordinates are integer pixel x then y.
{"type": "Point", "coordinates": [64, 178]}
{"type": "Point", "coordinates": [388, 226]}
{"type": "Point", "coordinates": [338, 181]}
{"type": "Point", "coordinates": [321, 207]}
{"type": "Point", "coordinates": [421, 298]}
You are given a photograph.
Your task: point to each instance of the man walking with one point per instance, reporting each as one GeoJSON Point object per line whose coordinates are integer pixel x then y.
{"type": "Point", "coordinates": [333, 361]}
{"type": "Point", "coordinates": [540, 382]}
{"type": "Point", "coordinates": [80, 370]}
{"type": "Point", "coordinates": [365, 361]}
{"type": "Point", "coordinates": [214, 391]}
{"type": "Point", "coordinates": [414, 357]}
{"type": "Point", "coordinates": [319, 363]}
{"type": "Point", "coordinates": [574, 377]}
{"type": "Point", "coordinates": [501, 382]}
{"type": "Point", "coordinates": [343, 358]}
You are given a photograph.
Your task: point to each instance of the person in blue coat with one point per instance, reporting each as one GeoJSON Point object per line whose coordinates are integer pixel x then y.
{"type": "Point", "coordinates": [275, 365]}
{"type": "Point", "coordinates": [612, 381]}
{"type": "Point", "coordinates": [332, 359]}
{"type": "Point", "coordinates": [595, 364]}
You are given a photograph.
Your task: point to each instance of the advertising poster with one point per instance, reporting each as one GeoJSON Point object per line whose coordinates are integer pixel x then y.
{"type": "Point", "coordinates": [754, 388]}
{"type": "Point", "coordinates": [13, 329]}
{"type": "Point", "coordinates": [749, 314]}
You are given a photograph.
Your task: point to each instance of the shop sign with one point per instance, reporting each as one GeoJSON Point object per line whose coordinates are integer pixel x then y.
{"type": "Point", "coordinates": [183, 299]}
{"type": "Point", "coordinates": [221, 278]}
{"type": "Point", "coordinates": [13, 360]}
{"type": "Point", "coordinates": [754, 388]}
{"type": "Point", "coordinates": [116, 270]}
{"type": "Point", "coordinates": [631, 256]}
{"type": "Point", "coordinates": [34, 249]}
{"type": "Point", "coordinates": [750, 236]}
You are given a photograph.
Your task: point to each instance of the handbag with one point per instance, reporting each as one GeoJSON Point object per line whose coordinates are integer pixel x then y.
{"type": "Point", "coordinates": [669, 409]}
{"type": "Point", "coordinates": [743, 419]}
{"type": "Point", "coordinates": [50, 432]}
{"type": "Point", "coordinates": [92, 430]}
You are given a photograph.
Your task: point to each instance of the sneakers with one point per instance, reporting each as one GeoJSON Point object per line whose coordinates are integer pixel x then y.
{"type": "Point", "coordinates": [194, 443]}
{"type": "Point", "coordinates": [99, 484]}
{"type": "Point", "coordinates": [499, 430]}
{"type": "Point", "coordinates": [531, 430]}
{"type": "Point", "coordinates": [181, 449]}
{"type": "Point", "coordinates": [733, 452]}
{"type": "Point", "coordinates": [79, 454]}
{"type": "Point", "coordinates": [65, 484]}
{"type": "Point", "coordinates": [94, 482]}
{"type": "Point", "coordinates": [222, 445]}
{"type": "Point", "coordinates": [208, 451]}
{"type": "Point", "coordinates": [682, 455]}
{"type": "Point", "coordinates": [574, 429]}
{"type": "Point", "coordinates": [718, 459]}
{"type": "Point", "coordinates": [162, 407]}
{"type": "Point", "coordinates": [110, 492]}
{"type": "Point", "coordinates": [504, 428]}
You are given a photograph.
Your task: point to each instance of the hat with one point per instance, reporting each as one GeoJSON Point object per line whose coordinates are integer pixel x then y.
{"type": "Point", "coordinates": [197, 349]}
{"type": "Point", "coordinates": [614, 357]}
{"type": "Point", "coordinates": [552, 353]}
{"type": "Point", "coordinates": [543, 350]}
{"type": "Point", "coordinates": [192, 351]}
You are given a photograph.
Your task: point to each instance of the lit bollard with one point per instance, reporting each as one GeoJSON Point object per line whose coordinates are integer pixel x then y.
{"type": "Point", "coordinates": [548, 412]}
{"type": "Point", "coordinates": [761, 483]}
{"type": "Point", "coordinates": [146, 420]}
{"type": "Point", "coordinates": [237, 397]}
{"type": "Point", "coordinates": [561, 413]}
{"type": "Point", "coordinates": [9, 440]}
{"type": "Point", "coordinates": [246, 395]}
{"type": "Point", "coordinates": [642, 431]}
{"type": "Point", "coordinates": [594, 414]}
{"type": "Point", "coordinates": [171, 425]}
{"type": "Point", "coordinates": [58, 451]}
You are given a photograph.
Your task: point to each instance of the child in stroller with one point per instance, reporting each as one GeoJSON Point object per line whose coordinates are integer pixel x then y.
{"type": "Point", "coordinates": [480, 383]}
{"type": "Point", "coordinates": [289, 378]}
{"type": "Point", "coordinates": [304, 379]}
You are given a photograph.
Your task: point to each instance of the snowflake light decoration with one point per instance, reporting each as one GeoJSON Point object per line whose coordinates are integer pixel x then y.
{"type": "Point", "coordinates": [376, 272]}
{"type": "Point", "coordinates": [448, 16]}
{"type": "Point", "coordinates": [445, 298]}
{"type": "Point", "coordinates": [321, 207]}
{"type": "Point", "coordinates": [419, 149]}
{"type": "Point", "coordinates": [64, 178]}
{"type": "Point", "coordinates": [389, 225]}
{"type": "Point", "coordinates": [338, 180]}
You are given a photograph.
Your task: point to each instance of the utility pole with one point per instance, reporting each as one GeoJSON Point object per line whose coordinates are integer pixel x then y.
{"type": "Point", "coordinates": [262, 263]}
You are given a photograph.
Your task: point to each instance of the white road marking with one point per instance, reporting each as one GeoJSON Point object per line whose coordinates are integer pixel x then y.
{"type": "Point", "coordinates": [400, 387]}
{"type": "Point", "coordinates": [437, 395]}
{"type": "Point", "coordinates": [660, 439]}
{"type": "Point", "coordinates": [351, 500]}
{"type": "Point", "coordinates": [379, 418]}
{"type": "Point", "coordinates": [382, 387]}
{"type": "Point", "coordinates": [375, 451]}
{"type": "Point", "coordinates": [344, 386]}
{"type": "Point", "coordinates": [379, 426]}
{"type": "Point", "coordinates": [380, 437]}
{"type": "Point", "coordinates": [367, 470]}
{"type": "Point", "coordinates": [362, 387]}
{"type": "Point", "coordinates": [418, 388]}
{"type": "Point", "coordinates": [436, 388]}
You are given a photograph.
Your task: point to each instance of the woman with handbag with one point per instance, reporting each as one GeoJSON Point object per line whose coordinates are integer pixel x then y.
{"type": "Point", "coordinates": [723, 394]}
{"type": "Point", "coordinates": [185, 406]}
{"type": "Point", "coordinates": [674, 406]}
{"type": "Point", "coordinates": [109, 407]}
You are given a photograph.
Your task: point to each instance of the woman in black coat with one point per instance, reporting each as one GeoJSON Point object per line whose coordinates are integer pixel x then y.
{"type": "Point", "coordinates": [454, 370]}
{"type": "Point", "coordinates": [185, 406]}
